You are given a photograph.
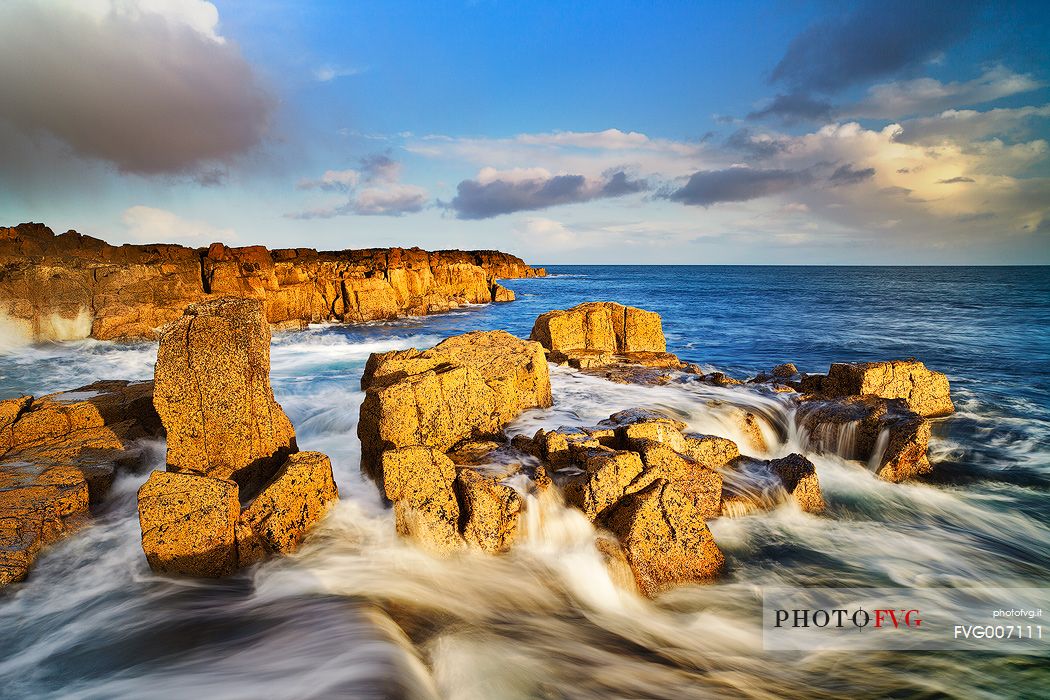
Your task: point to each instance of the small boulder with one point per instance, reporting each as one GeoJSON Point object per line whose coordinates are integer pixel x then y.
{"type": "Point", "coordinates": [278, 518]}
{"type": "Point", "coordinates": [926, 392]}
{"type": "Point", "coordinates": [501, 293]}
{"type": "Point", "coordinates": [710, 451]}
{"type": "Point", "coordinates": [189, 524]}
{"type": "Point", "coordinates": [799, 477]}
{"type": "Point", "coordinates": [665, 539]}
{"type": "Point", "coordinates": [606, 475]}
{"type": "Point", "coordinates": [701, 484]}
{"type": "Point", "coordinates": [490, 511]}
{"type": "Point", "coordinates": [419, 481]}
{"type": "Point", "coordinates": [600, 326]}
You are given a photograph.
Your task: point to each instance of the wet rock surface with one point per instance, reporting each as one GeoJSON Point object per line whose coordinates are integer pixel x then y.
{"type": "Point", "coordinates": [59, 455]}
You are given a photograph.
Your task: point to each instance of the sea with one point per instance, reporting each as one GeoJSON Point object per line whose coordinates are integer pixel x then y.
{"type": "Point", "coordinates": [357, 613]}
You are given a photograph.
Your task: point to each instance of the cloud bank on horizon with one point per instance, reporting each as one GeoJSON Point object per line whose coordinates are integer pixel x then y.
{"type": "Point", "coordinates": [865, 132]}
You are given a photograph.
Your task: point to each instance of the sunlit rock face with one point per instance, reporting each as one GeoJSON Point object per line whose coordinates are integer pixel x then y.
{"type": "Point", "coordinates": [236, 489]}
{"type": "Point", "coordinates": [74, 286]}
{"type": "Point", "coordinates": [466, 386]}
{"type": "Point", "coordinates": [212, 391]}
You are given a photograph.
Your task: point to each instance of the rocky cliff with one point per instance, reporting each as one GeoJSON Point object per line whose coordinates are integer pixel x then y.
{"type": "Point", "coordinates": [67, 286]}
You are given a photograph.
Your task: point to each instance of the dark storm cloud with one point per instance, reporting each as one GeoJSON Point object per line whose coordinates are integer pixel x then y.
{"type": "Point", "coordinates": [877, 38]}
{"type": "Point", "coordinates": [848, 175]}
{"type": "Point", "coordinates": [482, 200]}
{"type": "Point", "coordinates": [955, 180]}
{"type": "Point", "coordinates": [707, 187]}
{"type": "Point", "coordinates": [795, 108]}
{"type": "Point", "coordinates": [148, 93]}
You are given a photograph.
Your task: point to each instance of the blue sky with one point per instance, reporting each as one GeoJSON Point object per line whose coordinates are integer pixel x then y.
{"type": "Point", "coordinates": [776, 132]}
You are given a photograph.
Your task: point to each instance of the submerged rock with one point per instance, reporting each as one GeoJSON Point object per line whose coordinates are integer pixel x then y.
{"type": "Point", "coordinates": [214, 397]}
{"type": "Point", "coordinates": [664, 538]}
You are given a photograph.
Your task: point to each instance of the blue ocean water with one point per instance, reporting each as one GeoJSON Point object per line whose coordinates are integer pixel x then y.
{"type": "Point", "coordinates": [359, 614]}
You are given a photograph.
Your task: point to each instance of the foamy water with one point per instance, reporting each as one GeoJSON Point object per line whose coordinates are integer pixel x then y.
{"type": "Point", "coordinates": [359, 613]}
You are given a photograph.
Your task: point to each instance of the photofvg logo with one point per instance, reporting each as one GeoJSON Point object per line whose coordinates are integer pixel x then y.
{"type": "Point", "coordinates": [1007, 620]}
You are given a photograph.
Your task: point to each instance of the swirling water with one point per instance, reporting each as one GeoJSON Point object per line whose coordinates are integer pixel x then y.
{"type": "Point", "coordinates": [356, 613]}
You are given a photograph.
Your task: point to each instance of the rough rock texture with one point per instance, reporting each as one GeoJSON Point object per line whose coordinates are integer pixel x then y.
{"type": "Point", "coordinates": [489, 510]}
{"type": "Point", "coordinates": [58, 456]}
{"type": "Point", "coordinates": [75, 286]}
{"type": "Point", "coordinates": [501, 293]}
{"type": "Point", "coordinates": [466, 387]}
{"type": "Point", "coordinates": [213, 394]}
{"type": "Point", "coordinates": [604, 480]}
{"type": "Point", "coordinates": [702, 484]}
{"type": "Point", "coordinates": [419, 481]}
{"type": "Point", "coordinates": [665, 539]}
{"type": "Point", "coordinates": [189, 524]}
{"type": "Point", "coordinates": [600, 326]}
{"type": "Point", "coordinates": [883, 432]}
{"type": "Point", "coordinates": [227, 439]}
{"type": "Point", "coordinates": [924, 391]}
{"type": "Point", "coordinates": [799, 477]}
{"type": "Point", "coordinates": [278, 518]}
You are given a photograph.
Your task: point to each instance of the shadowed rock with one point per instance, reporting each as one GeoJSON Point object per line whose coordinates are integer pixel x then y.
{"type": "Point", "coordinates": [277, 519]}
{"type": "Point", "coordinates": [799, 477]}
{"type": "Point", "coordinates": [59, 455]}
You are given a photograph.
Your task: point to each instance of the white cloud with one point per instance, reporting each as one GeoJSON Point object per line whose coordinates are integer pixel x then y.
{"type": "Point", "coordinates": [392, 200]}
{"type": "Point", "coordinates": [924, 95]}
{"type": "Point", "coordinates": [374, 190]}
{"type": "Point", "coordinates": [152, 225]}
{"type": "Point", "coordinates": [339, 180]}
{"type": "Point", "coordinates": [327, 73]}
{"type": "Point", "coordinates": [967, 125]}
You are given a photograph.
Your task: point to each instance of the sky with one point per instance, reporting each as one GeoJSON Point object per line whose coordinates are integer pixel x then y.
{"type": "Point", "coordinates": [782, 132]}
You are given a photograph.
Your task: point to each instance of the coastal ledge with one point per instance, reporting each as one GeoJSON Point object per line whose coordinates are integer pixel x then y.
{"type": "Point", "coordinates": [71, 286]}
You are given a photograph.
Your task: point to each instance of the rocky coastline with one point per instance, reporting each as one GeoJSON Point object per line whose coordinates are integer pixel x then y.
{"type": "Point", "coordinates": [434, 431]}
{"type": "Point", "coordinates": [72, 286]}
